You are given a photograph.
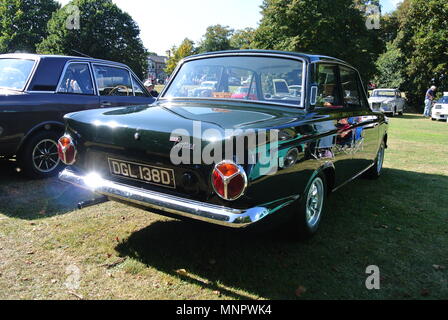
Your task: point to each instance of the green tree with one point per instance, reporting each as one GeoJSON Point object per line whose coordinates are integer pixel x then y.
{"type": "Point", "coordinates": [330, 27]}
{"type": "Point", "coordinates": [216, 38]}
{"type": "Point", "coordinates": [23, 23]}
{"type": "Point", "coordinates": [185, 49]}
{"type": "Point", "coordinates": [391, 68]}
{"type": "Point", "coordinates": [105, 32]}
{"type": "Point", "coordinates": [242, 39]}
{"type": "Point", "coordinates": [423, 40]}
{"type": "Point", "coordinates": [389, 27]}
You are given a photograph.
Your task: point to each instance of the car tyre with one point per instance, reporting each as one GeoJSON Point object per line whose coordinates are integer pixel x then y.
{"type": "Point", "coordinates": [309, 211]}
{"type": "Point", "coordinates": [375, 171]}
{"type": "Point", "coordinates": [39, 156]}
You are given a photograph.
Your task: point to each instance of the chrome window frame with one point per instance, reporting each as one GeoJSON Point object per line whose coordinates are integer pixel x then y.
{"type": "Point", "coordinates": [92, 75]}
{"type": "Point", "coordinates": [67, 64]}
{"type": "Point", "coordinates": [112, 66]}
{"type": "Point", "coordinates": [341, 63]}
{"type": "Point", "coordinates": [30, 76]}
{"type": "Point", "coordinates": [302, 105]}
{"type": "Point", "coordinates": [133, 76]}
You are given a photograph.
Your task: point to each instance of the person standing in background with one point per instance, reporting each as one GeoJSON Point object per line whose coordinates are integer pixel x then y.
{"type": "Point", "coordinates": [150, 87]}
{"type": "Point", "coordinates": [429, 98]}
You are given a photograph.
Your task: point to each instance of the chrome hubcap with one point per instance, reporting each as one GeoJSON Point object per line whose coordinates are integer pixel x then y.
{"type": "Point", "coordinates": [45, 156]}
{"type": "Point", "coordinates": [314, 202]}
{"type": "Point", "coordinates": [379, 161]}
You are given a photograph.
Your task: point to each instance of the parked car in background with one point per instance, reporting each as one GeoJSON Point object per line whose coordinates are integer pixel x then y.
{"type": "Point", "coordinates": [295, 90]}
{"type": "Point", "coordinates": [36, 91]}
{"type": "Point", "coordinates": [315, 146]}
{"type": "Point", "coordinates": [234, 81]}
{"type": "Point", "coordinates": [389, 101]}
{"type": "Point", "coordinates": [243, 93]}
{"type": "Point", "coordinates": [205, 89]}
{"type": "Point", "coordinates": [440, 108]}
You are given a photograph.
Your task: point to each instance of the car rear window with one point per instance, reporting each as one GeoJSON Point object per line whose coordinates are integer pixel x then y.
{"type": "Point", "coordinates": [443, 100]}
{"type": "Point", "coordinates": [255, 78]}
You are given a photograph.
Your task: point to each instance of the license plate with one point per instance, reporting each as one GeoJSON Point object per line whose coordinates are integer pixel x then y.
{"type": "Point", "coordinates": [142, 172]}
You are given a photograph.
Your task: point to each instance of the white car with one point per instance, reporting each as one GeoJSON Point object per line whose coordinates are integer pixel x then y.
{"type": "Point", "coordinates": [440, 108]}
{"type": "Point", "coordinates": [205, 89]}
{"type": "Point", "coordinates": [387, 101]}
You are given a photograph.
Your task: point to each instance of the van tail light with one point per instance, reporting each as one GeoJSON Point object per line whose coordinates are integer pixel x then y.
{"type": "Point", "coordinates": [67, 150]}
{"type": "Point", "coordinates": [229, 180]}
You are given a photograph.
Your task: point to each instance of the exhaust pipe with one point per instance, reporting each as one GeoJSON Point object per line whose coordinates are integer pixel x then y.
{"type": "Point", "coordinates": [92, 202]}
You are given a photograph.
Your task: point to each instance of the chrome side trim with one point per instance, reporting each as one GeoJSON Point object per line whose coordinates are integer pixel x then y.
{"type": "Point", "coordinates": [353, 178]}
{"type": "Point", "coordinates": [235, 218]}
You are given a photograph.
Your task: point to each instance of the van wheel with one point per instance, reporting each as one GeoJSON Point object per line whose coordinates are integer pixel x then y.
{"type": "Point", "coordinates": [376, 170]}
{"type": "Point", "coordinates": [310, 209]}
{"type": "Point", "coordinates": [39, 156]}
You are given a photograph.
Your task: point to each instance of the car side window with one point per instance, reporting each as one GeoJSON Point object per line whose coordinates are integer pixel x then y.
{"type": "Point", "coordinates": [76, 80]}
{"type": "Point", "coordinates": [113, 81]}
{"type": "Point", "coordinates": [327, 86]}
{"type": "Point", "coordinates": [350, 89]}
{"type": "Point", "coordinates": [139, 91]}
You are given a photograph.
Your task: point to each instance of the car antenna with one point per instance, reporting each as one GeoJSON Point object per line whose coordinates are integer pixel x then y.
{"type": "Point", "coordinates": [82, 54]}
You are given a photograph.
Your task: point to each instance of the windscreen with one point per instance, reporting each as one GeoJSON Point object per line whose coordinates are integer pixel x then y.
{"type": "Point", "coordinates": [383, 93]}
{"type": "Point", "coordinates": [14, 73]}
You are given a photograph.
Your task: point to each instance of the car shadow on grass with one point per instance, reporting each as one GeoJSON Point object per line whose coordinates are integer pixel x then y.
{"type": "Point", "coordinates": [30, 199]}
{"type": "Point", "coordinates": [369, 223]}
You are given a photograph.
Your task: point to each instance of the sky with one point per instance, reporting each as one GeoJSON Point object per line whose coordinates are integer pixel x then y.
{"type": "Point", "coordinates": [166, 23]}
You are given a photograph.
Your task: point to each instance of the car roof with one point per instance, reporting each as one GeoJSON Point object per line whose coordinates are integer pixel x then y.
{"type": "Point", "coordinates": [31, 56]}
{"type": "Point", "coordinates": [385, 89]}
{"type": "Point", "coordinates": [306, 56]}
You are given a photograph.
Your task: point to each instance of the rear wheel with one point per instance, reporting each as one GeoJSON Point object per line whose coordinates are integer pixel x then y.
{"type": "Point", "coordinates": [310, 210]}
{"type": "Point", "coordinates": [39, 156]}
{"type": "Point", "coordinates": [376, 170]}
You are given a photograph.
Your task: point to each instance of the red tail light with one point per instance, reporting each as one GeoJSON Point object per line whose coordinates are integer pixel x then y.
{"type": "Point", "coordinates": [67, 150]}
{"type": "Point", "coordinates": [229, 180]}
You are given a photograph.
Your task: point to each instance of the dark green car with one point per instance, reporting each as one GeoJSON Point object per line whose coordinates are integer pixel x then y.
{"type": "Point", "coordinates": [236, 138]}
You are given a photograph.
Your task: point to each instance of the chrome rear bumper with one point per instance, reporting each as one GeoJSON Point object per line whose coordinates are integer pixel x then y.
{"type": "Point", "coordinates": [235, 218]}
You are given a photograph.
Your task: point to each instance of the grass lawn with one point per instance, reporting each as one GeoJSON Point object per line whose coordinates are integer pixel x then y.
{"type": "Point", "coordinates": [399, 223]}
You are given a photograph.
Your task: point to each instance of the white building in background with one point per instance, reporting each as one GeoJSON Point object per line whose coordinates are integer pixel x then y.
{"type": "Point", "coordinates": [156, 68]}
